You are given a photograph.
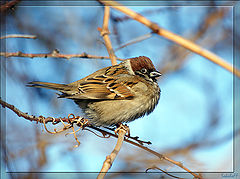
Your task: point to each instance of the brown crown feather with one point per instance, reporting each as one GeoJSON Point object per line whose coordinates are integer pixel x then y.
{"type": "Point", "coordinates": [140, 62]}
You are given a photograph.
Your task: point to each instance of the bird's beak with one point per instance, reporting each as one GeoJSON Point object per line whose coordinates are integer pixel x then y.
{"type": "Point", "coordinates": [155, 74]}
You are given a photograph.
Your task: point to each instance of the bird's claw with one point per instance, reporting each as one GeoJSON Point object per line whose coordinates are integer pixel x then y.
{"type": "Point", "coordinates": [124, 127]}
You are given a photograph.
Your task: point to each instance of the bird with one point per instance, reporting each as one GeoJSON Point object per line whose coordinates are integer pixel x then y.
{"type": "Point", "coordinates": [113, 95]}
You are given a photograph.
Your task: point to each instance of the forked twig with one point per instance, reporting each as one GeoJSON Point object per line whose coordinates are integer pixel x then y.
{"type": "Point", "coordinates": [74, 133]}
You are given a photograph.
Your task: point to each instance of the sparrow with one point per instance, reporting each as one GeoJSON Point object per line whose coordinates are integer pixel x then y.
{"type": "Point", "coordinates": [115, 94]}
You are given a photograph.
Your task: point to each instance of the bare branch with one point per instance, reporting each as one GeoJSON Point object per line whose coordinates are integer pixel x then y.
{"type": "Point", "coordinates": [173, 37]}
{"type": "Point", "coordinates": [19, 36]}
{"type": "Point", "coordinates": [110, 158]}
{"type": "Point", "coordinates": [54, 54]}
{"type": "Point", "coordinates": [170, 63]}
{"type": "Point", "coordinates": [136, 40]}
{"type": "Point", "coordinates": [105, 34]}
{"type": "Point", "coordinates": [17, 111]}
{"type": "Point", "coordinates": [155, 167]}
{"type": "Point", "coordinates": [83, 125]}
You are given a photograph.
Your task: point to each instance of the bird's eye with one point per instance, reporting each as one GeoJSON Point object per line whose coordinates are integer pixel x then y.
{"type": "Point", "coordinates": [144, 70]}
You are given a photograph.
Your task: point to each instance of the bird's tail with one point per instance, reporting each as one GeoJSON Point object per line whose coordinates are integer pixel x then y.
{"type": "Point", "coordinates": [59, 87]}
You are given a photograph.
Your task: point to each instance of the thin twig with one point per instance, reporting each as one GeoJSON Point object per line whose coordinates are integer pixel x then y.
{"type": "Point", "coordinates": [136, 40]}
{"type": "Point", "coordinates": [105, 34]}
{"type": "Point", "coordinates": [54, 55]}
{"type": "Point", "coordinates": [19, 36]}
{"type": "Point", "coordinates": [155, 167]}
{"type": "Point", "coordinates": [68, 120]}
{"type": "Point", "coordinates": [173, 37]}
{"type": "Point", "coordinates": [31, 117]}
{"type": "Point", "coordinates": [146, 12]}
{"type": "Point", "coordinates": [160, 156]}
{"type": "Point", "coordinates": [110, 158]}
{"type": "Point", "coordinates": [103, 134]}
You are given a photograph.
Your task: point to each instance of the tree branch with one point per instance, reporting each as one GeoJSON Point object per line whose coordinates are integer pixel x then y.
{"type": "Point", "coordinates": [155, 167]}
{"type": "Point", "coordinates": [105, 34]}
{"type": "Point", "coordinates": [54, 54]}
{"type": "Point", "coordinates": [173, 37]}
{"type": "Point", "coordinates": [136, 40]}
{"type": "Point", "coordinates": [19, 36]}
{"type": "Point", "coordinates": [69, 120]}
{"type": "Point", "coordinates": [110, 158]}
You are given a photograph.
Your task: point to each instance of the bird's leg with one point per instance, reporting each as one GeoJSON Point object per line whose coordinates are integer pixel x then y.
{"type": "Point", "coordinates": [125, 127]}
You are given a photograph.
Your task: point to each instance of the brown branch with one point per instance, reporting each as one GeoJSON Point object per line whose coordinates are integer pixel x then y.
{"type": "Point", "coordinates": [69, 120]}
{"type": "Point", "coordinates": [54, 54]}
{"type": "Point", "coordinates": [8, 5]}
{"type": "Point", "coordinates": [17, 111]}
{"type": "Point", "coordinates": [162, 157]}
{"type": "Point", "coordinates": [171, 63]}
{"type": "Point", "coordinates": [173, 37]}
{"type": "Point", "coordinates": [19, 36]}
{"type": "Point", "coordinates": [105, 34]}
{"type": "Point", "coordinates": [145, 12]}
{"type": "Point", "coordinates": [155, 167]}
{"type": "Point", "coordinates": [110, 158]}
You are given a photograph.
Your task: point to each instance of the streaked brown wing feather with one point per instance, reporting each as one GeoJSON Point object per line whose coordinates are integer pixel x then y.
{"type": "Point", "coordinates": [102, 87]}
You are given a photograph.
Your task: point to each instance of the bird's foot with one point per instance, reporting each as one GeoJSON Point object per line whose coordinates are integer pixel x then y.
{"type": "Point", "coordinates": [124, 127]}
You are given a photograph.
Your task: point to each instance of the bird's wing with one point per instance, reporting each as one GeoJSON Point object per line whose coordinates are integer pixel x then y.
{"type": "Point", "coordinates": [102, 87]}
